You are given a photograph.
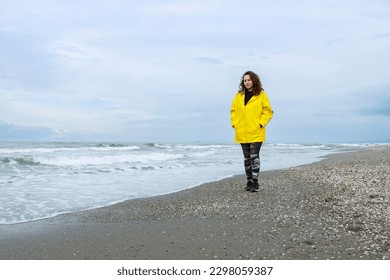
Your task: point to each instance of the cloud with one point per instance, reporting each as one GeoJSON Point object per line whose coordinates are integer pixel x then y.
{"type": "Point", "coordinates": [381, 35]}
{"type": "Point", "coordinates": [10, 132]}
{"type": "Point", "coordinates": [156, 70]}
{"type": "Point", "coordinates": [68, 112]}
{"type": "Point", "coordinates": [180, 8]}
{"type": "Point", "coordinates": [211, 60]}
{"type": "Point", "coordinates": [372, 102]}
{"type": "Point", "coordinates": [75, 51]}
{"type": "Point", "coordinates": [382, 109]}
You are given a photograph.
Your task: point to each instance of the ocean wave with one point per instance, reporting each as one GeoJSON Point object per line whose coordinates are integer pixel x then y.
{"type": "Point", "coordinates": [105, 159]}
{"type": "Point", "coordinates": [68, 149]}
{"type": "Point", "coordinates": [18, 161]}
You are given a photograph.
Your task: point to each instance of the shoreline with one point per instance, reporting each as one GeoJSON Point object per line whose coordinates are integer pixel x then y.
{"type": "Point", "coordinates": [54, 215]}
{"type": "Point", "coordinates": [335, 208]}
{"type": "Point", "coordinates": [320, 158]}
{"type": "Point", "coordinates": [127, 197]}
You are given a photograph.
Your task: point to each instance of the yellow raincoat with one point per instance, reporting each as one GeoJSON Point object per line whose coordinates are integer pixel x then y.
{"type": "Point", "coordinates": [249, 120]}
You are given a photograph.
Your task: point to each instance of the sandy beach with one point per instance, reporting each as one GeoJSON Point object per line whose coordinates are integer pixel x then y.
{"type": "Point", "coordinates": [338, 208]}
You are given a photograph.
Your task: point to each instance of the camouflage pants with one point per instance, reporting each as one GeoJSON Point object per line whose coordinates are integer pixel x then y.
{"type": "Point", "coordinates": [252, 159]}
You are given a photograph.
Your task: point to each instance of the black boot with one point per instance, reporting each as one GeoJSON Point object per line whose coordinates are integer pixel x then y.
{"type": "Point", "coordinates": [249, 185]}
{"type": "Point", "coordinates": [255, 186]}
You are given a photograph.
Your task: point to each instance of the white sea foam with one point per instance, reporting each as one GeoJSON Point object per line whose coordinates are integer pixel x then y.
{"type": "Point", "coordinates": [75, 160]}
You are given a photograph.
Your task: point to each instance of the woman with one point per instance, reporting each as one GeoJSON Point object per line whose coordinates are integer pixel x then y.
{"type": "Point", "coordinates": [250, 113]}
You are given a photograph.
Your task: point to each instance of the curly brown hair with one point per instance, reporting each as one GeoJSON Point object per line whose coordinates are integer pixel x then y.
{"type": "Point", "coordinates": [257, 86]}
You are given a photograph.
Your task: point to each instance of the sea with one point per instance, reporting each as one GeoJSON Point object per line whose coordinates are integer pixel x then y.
{"type": "Point", "coordinates": [44, 179]}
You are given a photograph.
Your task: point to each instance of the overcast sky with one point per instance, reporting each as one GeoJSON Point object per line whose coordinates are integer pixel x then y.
{"type": "Point", "coordinates": [116, 70]}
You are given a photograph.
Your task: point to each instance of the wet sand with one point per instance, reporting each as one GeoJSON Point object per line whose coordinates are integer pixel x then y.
{"type": "Point", "coordinates": [334, 209]}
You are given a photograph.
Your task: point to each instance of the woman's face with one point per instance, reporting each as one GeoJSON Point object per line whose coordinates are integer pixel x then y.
{"type": "Point", "coordinates": [248, 83]}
